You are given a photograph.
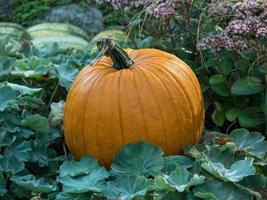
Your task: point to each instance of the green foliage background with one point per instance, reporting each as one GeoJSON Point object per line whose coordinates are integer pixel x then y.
{"type": "Point", "coordinates": [230, 163]}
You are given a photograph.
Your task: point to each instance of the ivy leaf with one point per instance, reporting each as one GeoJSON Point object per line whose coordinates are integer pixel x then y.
{"type": "Point", "coordinates": [37, 123]}
{"type": "Point", "coordinates": [68, 196]}
{"type": "Point", "coordinates": [180, 179]}
{"type": "Point", "coordinates": [138, 159]}
{"type": "Point", "coordinates": [171, 162]}
{"type": "Point", "coordinates": [31, 183]}
{"type": "Point", "coordinates": [7, 97]}
{"type": "Point", "coordinates": [94, 181]}
{"type": "Point", "coordinates": [237, 172]}
{"type": "Point", "coordinates": [217, 190]}
{"type": "Point", "coordinates": [82, 167]}
{"type": "Point", "coordinates": [128, 187]}
{"type": "Point", "coordinates": [2, 185]}
{"type": "Point", "coordinates": [251, 142]}
{"type": "Point", "coordinates": [247, 86]}
{"type": "Point", "coordinates": [218, 85]}
{"type": "Point", "coordinates": [66, 75]}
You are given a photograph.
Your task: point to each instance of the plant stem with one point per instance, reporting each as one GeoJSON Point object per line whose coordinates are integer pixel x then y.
{"type": "Point", "coordinates": [53, 94]}
{"type": "Point", "coordinates": [120, 58]}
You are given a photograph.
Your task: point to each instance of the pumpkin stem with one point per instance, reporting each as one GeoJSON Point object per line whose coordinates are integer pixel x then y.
{"type": "Point", "coordinates": [120, 58]}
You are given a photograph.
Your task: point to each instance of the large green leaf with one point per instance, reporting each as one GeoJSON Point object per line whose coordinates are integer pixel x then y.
{"type": "Point", "coordinates": [5, 138]}
{"type": "Point", "coordinates": [218, 85]}
{"type": "Point", "coordinates": [72, 168]}
{"type": "Point", "coordinates": [24, 90]}
{"type": "Point", "coordinates": [94, 181]}
{"type": "Point", "coordinates": [5, 65]}
{"type": "Point", "coordinates": [37, 123]}
{"type": "Point", "coordinates": [237, 172]}
{"type": "Point", "coordinates": [7, 97]}
{"type": "Point", "coordinates": [20, 149]}
{"type": "Point", "coordinates": [39, 153]}
{"type": "Point", "coordinates": [171, 162]}
{"type": "Point", "coordinates": [218, 115]}
{"type": "Point", "coordinates": [128, 187]}
{"type": "Point", "coordinates": [31, 183]}
{"type": "Point", "coordinates": [217, 190]}
{"type": "Point", "coordinates": [11, 164]}
{"type": "Point", "coordinates": [251, 142]}
{"type": "Point", "coordinates": [180, 180]}
{"type": "Point", "coordinates": [258, 181]}
{"type": "Point", "coordinates": [66, 75]}
{"type": "Point", "coordinates": [138, 159]}
{"type": "Point", "coordinates": [68, 196]}
{"type": "Point", "coordinates": [251, 117]}
{"type": "Point", "coordinates": [247, 86]}
{"type": "Point", "coordinates": [232, 114]}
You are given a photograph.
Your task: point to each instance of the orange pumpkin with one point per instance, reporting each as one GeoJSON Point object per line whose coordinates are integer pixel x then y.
{"type": "Point", "coordinates": [133, 95]}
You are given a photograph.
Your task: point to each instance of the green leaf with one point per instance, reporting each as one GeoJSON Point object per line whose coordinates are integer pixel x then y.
{"type": "Point", "coordinates": [257, 181]}
{"type": "Point", "coordinates": [226, 66]}
{"type": "Point", "coordinates": [242, 65]}
{"type": "Point", "coordinates": [217, 190]}
{"type": "Point", "coordinates": [7, 97]}
{"type": "Point", "coordinates": [2, 185]}
{"type": "Point", "coordinates": [251, 117]}
{"type": "Point", "coordinates": [251, 142]}
{"type": "Point", "coordinates": [37, 123]}
{"type": "Point", "coordinates": [68, 196]}
{"type": "Point", "coordinates": [225, 155]}
{"type": "Point", "coordinates": [66, 75]}
{"type": "Point", "coordinates": [138, 159]}
{"type": "Point", "coordinates": [94, 181]}
{"type": "Point", "coordinates": [19, 149]}
{"type": "Point", "coordinates": [5, 138]}
{"type": "Point", "coordinates": [232, 114]}
{"type": "Point", "coordinates": [180, 180]}
{"type": "Point", "coordinates": [174, 195]}
{"type": "Point", "coordinates": [11, 164]}
{"type": "Point", "coordinates": [218, 85]}
{"type": "Point", "coordinates": [24, 90]}
{"type": "Point", "coordinates": [238, 171]}
{"type": "Point", "coordinates": [128, 187]}
{"type": "Point", "coordinates": [171, 162]}
{"type": "Point", "coordinates": [31, 183]}
{"type": "Point", "coordinates": [195, 151]}
{"type": "Point", "coordinates": [82, 167]}
{"type": "Point", "coordinates": [247, 86]}
{"type": "Point", "coordinates": [218, 116]}
{"type": "Point", "coordinates": [5, 65]}
{"type": "Point", "coordinates": [39, 153]}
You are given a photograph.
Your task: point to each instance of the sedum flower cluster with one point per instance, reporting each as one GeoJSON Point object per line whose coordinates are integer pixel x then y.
{"type": "Point", "coordinates": [156, 8]}
{"type": "Point", "coordinates": [249, 22]}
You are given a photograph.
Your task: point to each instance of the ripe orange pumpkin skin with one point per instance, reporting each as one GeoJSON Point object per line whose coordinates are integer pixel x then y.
{"type": "Point", "coordinates": [158, 99]}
